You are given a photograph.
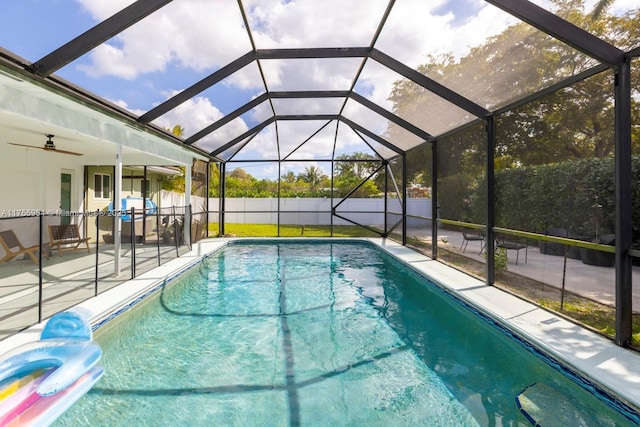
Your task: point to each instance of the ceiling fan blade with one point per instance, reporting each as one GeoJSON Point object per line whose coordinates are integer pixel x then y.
{"type": "Point", "coordinates": [51, 150]}
{"type": "Point", "coordinates": [57, 150]}
{"type": "Point", "coordinates": [24, 145]}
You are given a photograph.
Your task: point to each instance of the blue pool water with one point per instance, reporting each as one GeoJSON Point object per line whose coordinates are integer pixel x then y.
{"type": "Point", "coordinates": [321, 334]}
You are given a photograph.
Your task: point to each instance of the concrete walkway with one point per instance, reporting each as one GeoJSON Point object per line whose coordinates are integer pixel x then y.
{"type": "Point", "coordinates": [593, 282]}
{"type": "Point", "coordinates": [66, 281]}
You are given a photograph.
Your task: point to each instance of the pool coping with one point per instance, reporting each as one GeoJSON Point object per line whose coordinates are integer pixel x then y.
{"type": "Point", "coordinates": [593, 356]}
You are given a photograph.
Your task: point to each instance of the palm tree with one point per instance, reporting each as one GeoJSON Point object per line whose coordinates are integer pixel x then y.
{"type": "Point", "coordinates": [600, 8]}
{"type": "Point", "coordinates": [312, 175]}
{"type": "Point", "coordinates": [177, 130]}
{"type": "Point", "coordinates": [289, 177]}
{"type": "Point", "coordinates": [176, 182]}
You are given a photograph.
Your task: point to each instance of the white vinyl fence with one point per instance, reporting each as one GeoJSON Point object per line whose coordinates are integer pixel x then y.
{"type": "Point", "coordinates": [303, 211]}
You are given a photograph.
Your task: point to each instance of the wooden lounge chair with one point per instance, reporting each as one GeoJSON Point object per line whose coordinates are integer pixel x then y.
{"type": "Point", "coordinates": [9, 241]}
{"type": "Point", "coordinates": [63, 236]}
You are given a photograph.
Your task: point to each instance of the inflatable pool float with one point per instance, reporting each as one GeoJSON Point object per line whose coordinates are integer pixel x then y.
{"type": "Point", "coordinates": [127, 203]}
{"type": "Point", "coordinates": [42, 379]}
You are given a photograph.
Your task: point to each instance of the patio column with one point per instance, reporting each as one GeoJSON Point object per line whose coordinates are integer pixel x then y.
{"type": "Point", "coordinates": [117, 222]}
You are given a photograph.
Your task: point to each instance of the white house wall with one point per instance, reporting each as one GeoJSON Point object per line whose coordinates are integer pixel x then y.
{"type": "Point", "coordinates": [30, 177]}
{"type": "Point", "coordinates": [30, 183]}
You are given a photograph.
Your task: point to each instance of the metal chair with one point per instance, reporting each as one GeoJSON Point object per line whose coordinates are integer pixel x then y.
{"type": "Point", "coordinates": [468, 236]}
{"type": "Point", "coordinates": [513, 245]}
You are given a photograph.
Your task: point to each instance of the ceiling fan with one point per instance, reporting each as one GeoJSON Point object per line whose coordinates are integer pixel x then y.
{"type": "Point", "coordinates": [49, 146]}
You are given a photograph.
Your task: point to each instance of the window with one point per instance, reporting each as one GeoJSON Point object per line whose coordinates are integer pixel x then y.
{"type": "Point", "coordinates": [101, 186]}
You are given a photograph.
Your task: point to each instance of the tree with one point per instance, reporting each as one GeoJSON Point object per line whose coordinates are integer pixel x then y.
{"type": "Point", "coordinates": [351, 169]}
{"type": "Point", "coordinates": [289, 177]}
{"type": "Point", "coordinates": [239, 183]}
{"type": "Point", "coordinates": [357, 164]}
{"type": "Point", "coordinates": [313, 176]}
{"type": "Point", "coordinates": [177, 130]}
{"type": "Point", "coordinates": [175, 182]}
{"type": "Point", "coordinates": [214, 180]}
{"type": "Point", "coordinates": [600, 8]}
{"type": "Point", "coordinates": [576, 122]}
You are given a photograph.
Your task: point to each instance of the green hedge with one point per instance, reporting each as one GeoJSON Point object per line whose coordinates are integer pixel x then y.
{"type": "Point", "coordinates": [578, 196]}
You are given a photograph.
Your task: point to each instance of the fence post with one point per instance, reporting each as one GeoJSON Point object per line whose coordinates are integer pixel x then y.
{"type": "Point", "coordinates": [189, 224]}
{"type": "Point", "coordinates": [158, 233]}
{"type": "Point", "coordinates": [175, 228]}
{"type": "Point", "coordinates": [132, 232]}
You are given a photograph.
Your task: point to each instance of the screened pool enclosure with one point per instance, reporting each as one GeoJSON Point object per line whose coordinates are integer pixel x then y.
{"type": "Point", "coordinates": [462, 128]}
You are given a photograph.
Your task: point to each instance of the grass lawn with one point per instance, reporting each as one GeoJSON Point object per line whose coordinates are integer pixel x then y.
{"type": "Point", "coordinates": [271, 230]}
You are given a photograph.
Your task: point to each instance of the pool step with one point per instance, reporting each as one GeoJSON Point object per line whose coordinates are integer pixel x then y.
{"type": "Point", "coordinates": [545, 406]}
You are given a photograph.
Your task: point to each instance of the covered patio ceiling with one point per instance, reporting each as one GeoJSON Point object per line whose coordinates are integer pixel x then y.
{"type": "Point", "coordinates": [30, 112]}
{"type": "Point", "coordinates": [257, 64]}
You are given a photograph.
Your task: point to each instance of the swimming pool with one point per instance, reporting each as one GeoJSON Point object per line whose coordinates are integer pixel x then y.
{"type": "Point", "coordinates": [313, 334]}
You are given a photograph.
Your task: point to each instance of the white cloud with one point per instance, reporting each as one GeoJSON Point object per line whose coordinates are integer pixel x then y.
{"type": "Point", "coordinates": [622, 6]}
{"type": "Point", "coordinates": [327, 23]}
{"type": "Point", "coordinates": [196, 114]}
{"type": "Point", "coordinates": [101, 10]}
{"type": "Point", "coordinates": [199, 34]}
{"type": "Point", "coordinates": [204, 35]}
{"type": "Point", "coordinates": [310, 74]}
{"type": "Point", "coordinates": [414, 30]}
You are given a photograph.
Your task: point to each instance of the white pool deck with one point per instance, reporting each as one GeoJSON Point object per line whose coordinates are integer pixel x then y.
{"type": "Point", "coordinates": [595, 357]}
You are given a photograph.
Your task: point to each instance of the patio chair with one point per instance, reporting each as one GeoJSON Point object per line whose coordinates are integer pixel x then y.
{"type": "Point", "coordinates": [513, 245]}
{"type": "Point", "coordinates": [9, 241]}
{"type": "Point", "coordinates": [469, 236]}
{"type": "Point", "coordinates": [62, 236]}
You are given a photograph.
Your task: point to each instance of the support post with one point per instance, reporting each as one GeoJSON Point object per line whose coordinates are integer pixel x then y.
{"type": "Point", "coordinates": [117, 219]}
{"type": "Point", "coordinates": [331, 200]}
{"type": "Point", "coordinates": [206, 200]}
{"type": "Point", "coordinates": [386, 197]}
{"type": "Point", "coordinates": [222, 196]}
{"type": "Point", "coordinates": [491, 196]}
{"type": "Point", "coordinates": [97, 252]}
{"type": "Point", "coordinates": [279, 182]}
{"type": "Point", "coordinates": [159, 235]}
{"type": "Point", "coordinates": [144, 189]}
{"type": "Point", "coordinates": [434, 200]}
{"type": "Point", "coordinates": [623, 191]}
{"type": "Point", "coordinates": [404, 199]}
{"type": "Point", "coordinates": [186, 230]}
{"type": "Point", "coordinates": [132, 241]}
{"type": "Point", "coordinates": [40, 288]}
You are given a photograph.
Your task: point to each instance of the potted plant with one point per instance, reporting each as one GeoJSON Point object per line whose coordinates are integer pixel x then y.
{"type": "Point", "coordinates": [593, 256]}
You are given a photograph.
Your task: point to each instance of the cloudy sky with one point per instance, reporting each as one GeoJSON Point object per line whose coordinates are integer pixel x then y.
{"type": "Point", "coordinates": [189, 39]}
